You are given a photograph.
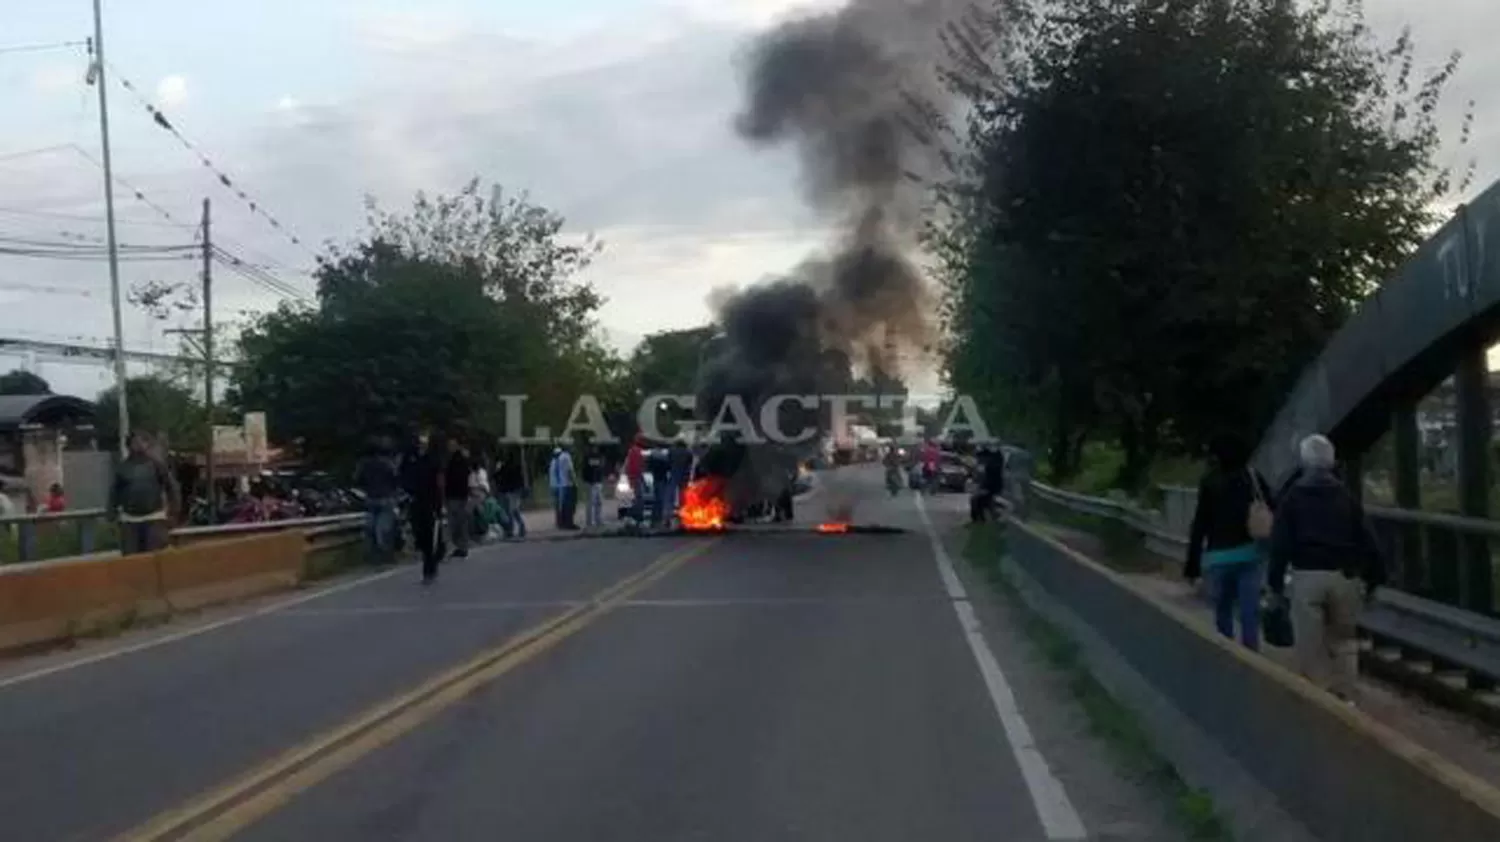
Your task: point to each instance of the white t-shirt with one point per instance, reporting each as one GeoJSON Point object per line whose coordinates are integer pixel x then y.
{"type": "Point", "coordinates": [479, 481]}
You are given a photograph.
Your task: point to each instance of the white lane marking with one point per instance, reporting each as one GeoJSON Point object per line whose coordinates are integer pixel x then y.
{"type": "Point", "coordinates": [197, 630]}
{"type": "Point", "coordinates": [1059, 820]}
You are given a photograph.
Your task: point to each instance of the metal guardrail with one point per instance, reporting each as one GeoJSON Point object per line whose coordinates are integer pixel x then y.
{"type": "Point", "coordinates": [91, 525]}
{"type": "Point", "coordinates": [27, 531]}
{"type": "Point", "coordinates": [1451, 653]}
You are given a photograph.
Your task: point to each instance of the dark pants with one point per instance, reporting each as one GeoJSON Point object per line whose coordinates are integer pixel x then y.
{"type": "Point", "coordinates": [1237, 583]}
{"type": "Point", "coordinates": [424, 533]}
{"type": "Point", "coordinates": [784, 505]}
{"type": "Point", "coordinates": [142, 536]}
{"type": "Point", "coordinates": [662, 492]}
{"type": "Point", "coordinates": [565, 501]}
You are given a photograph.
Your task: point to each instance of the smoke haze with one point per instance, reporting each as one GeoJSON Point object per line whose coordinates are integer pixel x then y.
{"type": "Point", "coordinates": [852, 91]}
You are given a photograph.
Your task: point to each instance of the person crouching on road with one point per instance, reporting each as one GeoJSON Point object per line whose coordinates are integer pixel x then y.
{"type": "Point", "coordinates": [142, 498]}
{"type": "Point", "coordinates": [1322, 535]}
{"type": "Point", "coordinates": [1222, 546]}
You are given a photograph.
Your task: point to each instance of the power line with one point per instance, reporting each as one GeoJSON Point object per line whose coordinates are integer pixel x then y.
{"type": "Point", "coordinates": [37, 48]}
{"type": "Point", "coordinates": [81, 217]}
{"type": "Point", "coordinates": [48, 290]}
{"type": "Point", "coordinates": [160, 119]}
{"type": "Point", "coordinates": [27, 153]}
{"type": "Point", "coordinates": [257, 275]}
{"type": "Point", "coordinates": [139, 195]}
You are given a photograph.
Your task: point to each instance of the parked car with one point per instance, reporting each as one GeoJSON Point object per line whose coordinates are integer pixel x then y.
{"type": "Point", "coordinates": [953, 473]}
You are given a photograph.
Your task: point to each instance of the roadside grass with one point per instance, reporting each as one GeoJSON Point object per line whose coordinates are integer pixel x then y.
{"type": "Point", "coordinates": [1124, 549]}
{"type": "Point", "coordinates": [1109, 719]}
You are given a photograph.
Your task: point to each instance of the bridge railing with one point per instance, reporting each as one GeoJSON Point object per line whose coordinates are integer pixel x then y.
{"type": "Point", "coordinates": [1448, 650]}
{"type": "Point", "coordinates": [34, 537]}
{"type": "Point", "coordinates": [1446, 558]}
{"type": "Point", "coordinates": [38, 537]}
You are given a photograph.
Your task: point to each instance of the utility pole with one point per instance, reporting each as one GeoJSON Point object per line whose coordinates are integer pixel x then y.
{"type": "Point", "coordinates": [208, 358]}
{"type": "Point", "coordinates": [97, 75]}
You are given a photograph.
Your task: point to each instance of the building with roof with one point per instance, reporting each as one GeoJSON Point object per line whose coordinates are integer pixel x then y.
{"type": "Point", "coordinates": [41, 436]}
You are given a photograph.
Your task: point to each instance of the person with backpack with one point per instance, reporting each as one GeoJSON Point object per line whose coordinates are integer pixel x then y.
{"type": "Point", "coordinates": [1230, 523]}
{"type": "Point", "coordinates": [1322, 536]}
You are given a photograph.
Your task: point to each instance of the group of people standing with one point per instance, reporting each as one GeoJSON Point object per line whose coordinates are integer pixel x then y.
{"type": "Point", "coordinates": [1245, 538]}
{"type": "Point", "coordinates": [439, 479]}
{"type": "Point", "coordinates": [565, 475]}
{"type": "Point", "coordinates": [670, 469]}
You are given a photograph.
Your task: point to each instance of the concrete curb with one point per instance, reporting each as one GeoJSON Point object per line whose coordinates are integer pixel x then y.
{"type": "Point", "coordinates": [1283, 758]}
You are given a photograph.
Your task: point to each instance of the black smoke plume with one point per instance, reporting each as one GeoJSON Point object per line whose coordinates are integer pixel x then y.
{"type": "Point", "coordinates": [853, 91]}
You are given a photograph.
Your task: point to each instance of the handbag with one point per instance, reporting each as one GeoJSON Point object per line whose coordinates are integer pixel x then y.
{"type": "Point", "coordinates": [1276, 623]}
{"type": "Point", "coordinates": [1259, 521]}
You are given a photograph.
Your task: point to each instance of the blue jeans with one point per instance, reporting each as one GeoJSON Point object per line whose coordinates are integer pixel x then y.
{"type": "Point", "coordinates": [380, 529]}
{"type": "Point", "coordinates": [594, 516]}
{"type": "Point", "coordinates": [510, 502]}
{"type": "Point", "coordinates": [1237, 582]}
{"type": "Point", "coordinates": [663, 489]}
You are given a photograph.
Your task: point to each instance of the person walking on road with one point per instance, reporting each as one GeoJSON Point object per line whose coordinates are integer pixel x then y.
{"type": "Point", "coordinates": [457, 473]}
{"type": "Point", "coordinates": [422, 479]}
{"type": "Point", "coordinates": [593, 473]}
{"type": "Point", "coordinates": [1321, 535]}
{"type": "Point", "coordinates": [143, 498]}
{"type": "Point", "coordinates": [510, 483]}
{"type": "Point", "coordinates": [1229, 524]}
{"type": "Point", "coordinates": [378, 478]}
{"type": "Point", "coordinates": [564, 492]}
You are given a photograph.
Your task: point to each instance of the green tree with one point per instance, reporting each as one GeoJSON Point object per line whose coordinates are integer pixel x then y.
{"type": "Point", "coordinates": [430, 321]}
{"type": "Point", "coordinates": [21, 382]}
{"type": "Point", "coordinates": [1169, 208]}
{"type": "Point", "coordinates": [668, 362]}
{"type": "Point", "coordinates": [157, 405]}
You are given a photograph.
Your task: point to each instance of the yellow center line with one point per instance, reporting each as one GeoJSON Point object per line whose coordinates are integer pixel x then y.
{"type": "Point", "coordinates": [224, 811]}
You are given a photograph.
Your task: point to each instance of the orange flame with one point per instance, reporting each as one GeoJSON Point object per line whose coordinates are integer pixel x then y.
{"type": "Point", "coordinates": [703, 504]}
{"type": "Point", "coordinates": [833, 528]}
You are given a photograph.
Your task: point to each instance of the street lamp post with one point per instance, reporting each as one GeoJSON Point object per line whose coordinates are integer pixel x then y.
{"type": "Point", "coordinates": [97, 75]}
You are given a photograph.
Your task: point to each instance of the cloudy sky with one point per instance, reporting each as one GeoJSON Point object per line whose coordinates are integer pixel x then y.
{"type": "Point", "coordinates": [614, 112]}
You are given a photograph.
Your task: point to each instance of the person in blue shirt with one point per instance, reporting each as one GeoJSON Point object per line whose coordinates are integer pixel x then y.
{"type": "Point", "coordinates": [564, 491]}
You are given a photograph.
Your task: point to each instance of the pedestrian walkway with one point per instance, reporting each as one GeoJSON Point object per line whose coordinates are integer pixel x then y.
{"type": "Point", "coordinates": [1456, 739]}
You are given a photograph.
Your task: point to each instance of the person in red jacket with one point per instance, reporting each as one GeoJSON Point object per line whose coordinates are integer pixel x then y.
{"type": "Point", "coordinates": [635, 472]}
{"type": "Point", "coordinates": [56, 500]}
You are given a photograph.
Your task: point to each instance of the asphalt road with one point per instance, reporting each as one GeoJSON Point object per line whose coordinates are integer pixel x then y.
{"type": "Point", "coordinates": [772, 687]}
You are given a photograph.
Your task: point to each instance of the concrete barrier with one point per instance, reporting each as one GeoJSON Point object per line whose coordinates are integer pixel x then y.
{"type": "Point", "coordinates": [1233, 722]}
{"type": "Point", "coordinates": [50, 601]}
